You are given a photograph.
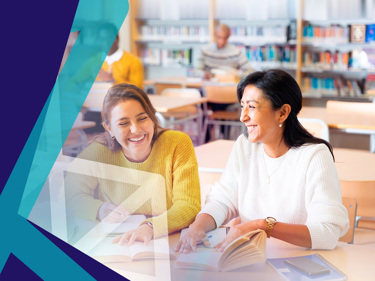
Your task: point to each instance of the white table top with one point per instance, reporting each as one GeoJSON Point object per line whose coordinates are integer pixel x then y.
{"type": "Point", "coordinates": [351, 164]}
{"type": "Point", "coordinates": [341, 121]}
{"type": "Point", "coordinates": [354, 260]}
{"type": "Point", "coordinates": [167, 104]}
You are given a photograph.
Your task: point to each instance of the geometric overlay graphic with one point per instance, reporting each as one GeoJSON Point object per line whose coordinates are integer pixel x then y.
{"type": "Point", "coordinates": [59, 211]}
{"type": "Point", "coordinates": [50, 131]}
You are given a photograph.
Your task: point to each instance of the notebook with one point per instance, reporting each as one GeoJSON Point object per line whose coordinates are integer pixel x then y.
{"type": "Point", "coordinates": [290, 273]}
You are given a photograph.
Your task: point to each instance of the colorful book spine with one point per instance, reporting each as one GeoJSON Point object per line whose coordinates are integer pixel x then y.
{"type": "Point", "coordinates": [329, 34]}
{"type": "Point", "coordinates": [339, 86]}
{"type": "Point", "coordinates": [270, 56]}
{"type": "Point", "coordinates": [166, 57]}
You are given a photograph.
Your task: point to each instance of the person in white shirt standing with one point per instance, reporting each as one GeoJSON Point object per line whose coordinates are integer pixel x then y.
{"type": "Point", "coordinates": [278, 178]}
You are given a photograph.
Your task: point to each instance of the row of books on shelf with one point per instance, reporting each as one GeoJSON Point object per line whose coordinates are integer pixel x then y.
{"type": "Point", "coordinates": [166, 57]}
{"type": "Point", "coordinates": [283, 55]}
{"type": "Point", "coordinates": [245, 34]}
{"type": "Point", "coordinates": [342, 34]}
{"type": "Point", "coordinates": [256, 34]}
{"type": "Point", "coordinates": [174, 32]}
{"type": "Point", "coordinates": [354, 60]}
{"type": "Point", "coordinates": [326, 60]}
{"type": "Point", "coordinates": [337, 87]}
{"type": "Point", "coordinates": [370, 84]}
{"type": "Point", "coordinates": [333, 33]}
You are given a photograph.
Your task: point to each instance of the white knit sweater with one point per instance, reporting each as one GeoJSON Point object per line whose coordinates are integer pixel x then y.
{"type": "Point", "coordinates": [228, 57]}
{"type": "Point", "coordinates": [303, 189]}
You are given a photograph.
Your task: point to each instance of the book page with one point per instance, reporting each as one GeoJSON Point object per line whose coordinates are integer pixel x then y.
{"type": "Point", "coordinates": [202, 258]}
{"type": "Point", "coordinates": [245, 250]}
{"type": "Point", "coordinates": [141, 251]}
{"type": "Point", "coordinates": [105, 251]}
{"type": "Point", "coordinates": [214, 236]}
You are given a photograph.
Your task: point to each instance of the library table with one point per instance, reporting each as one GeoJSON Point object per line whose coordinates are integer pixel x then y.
{"type": "Point", "coordinates": [351, 164]}
{"type": "Point", "coordinates": [356, 123]}
{"type": "Point", "coordinates": [189, 82]}
{"type": "Point", "coordinates": [340, 121]}
{"type": "Point", "coordinates": [163, 104]}
{"type": "Point", "coordinates": [355, 260]}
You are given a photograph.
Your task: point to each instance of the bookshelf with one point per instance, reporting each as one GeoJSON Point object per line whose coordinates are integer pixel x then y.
{"type": "Point", "coordinates": [331, 64]}
{"type": "Point", "coordinates": [309, 39]}
{"type": "Point", "coordinates": [168, 35]}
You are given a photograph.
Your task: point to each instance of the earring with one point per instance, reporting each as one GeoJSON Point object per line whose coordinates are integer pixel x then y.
{"type": "Point", "coordinates": [280, 125]}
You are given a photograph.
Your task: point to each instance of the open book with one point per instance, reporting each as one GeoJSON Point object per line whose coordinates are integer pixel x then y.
{"type": "Point", "coordinates": [214, 237]}
{"type": "Point", "coordinates": [245, 250]}
{"type": "Point", "coordinates": [107, 252]}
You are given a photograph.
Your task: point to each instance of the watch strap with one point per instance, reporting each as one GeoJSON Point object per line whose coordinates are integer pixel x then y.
{"type": "Point", "coordinates": [271, 221]}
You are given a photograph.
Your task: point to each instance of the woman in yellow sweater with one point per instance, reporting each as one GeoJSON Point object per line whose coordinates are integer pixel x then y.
{"type": "Point", "coordinates": [141, 167]}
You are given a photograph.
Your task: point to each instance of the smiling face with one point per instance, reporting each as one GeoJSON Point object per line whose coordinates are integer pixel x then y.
{"type": "Point", "coordinates": [261, 120]}
{"type": "Point", "coordinates": [132, 128]}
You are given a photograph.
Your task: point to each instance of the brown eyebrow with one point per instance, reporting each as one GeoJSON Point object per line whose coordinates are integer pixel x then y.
{"type": "Point", "coordinates": [126, 118]}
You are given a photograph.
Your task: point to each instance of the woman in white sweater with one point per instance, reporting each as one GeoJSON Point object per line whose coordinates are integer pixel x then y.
{"type": "Point", "coordinates": [278, 178]}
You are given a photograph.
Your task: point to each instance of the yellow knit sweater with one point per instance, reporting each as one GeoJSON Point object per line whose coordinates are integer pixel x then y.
{"type": "Point", "coordinates": [128, 69]}
{"type": "Point", "coordinates": [165, 186]}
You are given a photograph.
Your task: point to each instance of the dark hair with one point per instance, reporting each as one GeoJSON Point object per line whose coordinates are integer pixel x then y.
{"type": "Point", "coordinates": [120, 93]}
{"type": "Point", "coordinates": [280, 88]}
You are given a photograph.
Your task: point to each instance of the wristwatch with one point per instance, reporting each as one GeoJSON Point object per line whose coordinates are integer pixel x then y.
{"type": "Point", "coordinates": [149, 224]}
{"type": "Point", "coordinates": [271, 221]}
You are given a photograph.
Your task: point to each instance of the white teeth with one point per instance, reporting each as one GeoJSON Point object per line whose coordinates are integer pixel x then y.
{"type": "Point", "coordinates": [139, 139]}
{"type": "Point", "coordinates": [250, 128]}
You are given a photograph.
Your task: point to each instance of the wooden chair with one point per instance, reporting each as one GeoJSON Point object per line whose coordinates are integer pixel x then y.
{"type": "Point", "coordinates": [77, 140]}
{"type": "Point", "coordinates": [159, 86]}
{"type": "Point", "coordinates": [364, 193]}
{"type": "Point", "coordinates": [185, 116]}
{"type": "Point", "coordinates": [227, 78]}
{"type": "Point", "coordinates": [316, 127]}
{"type": "Point", "coordinates": [96, 95]}
{"type": "Point", "coordinates": [356, 110]}
{"type": "Point", "coordinates": [221, 93]}
{"type": "Point", "coordinates": [351, 206]}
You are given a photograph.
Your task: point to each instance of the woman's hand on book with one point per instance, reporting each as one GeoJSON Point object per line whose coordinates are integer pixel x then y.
{"type": "Point", "coordinates": [112, 213]}
{"type": "Point", "coordinates": [189, 241]}
{"type": "Point", "coordinates": [237, 230]}
{"type": "Point", "coordinates": [142, 233]}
